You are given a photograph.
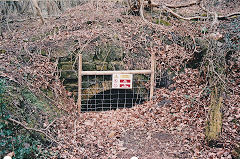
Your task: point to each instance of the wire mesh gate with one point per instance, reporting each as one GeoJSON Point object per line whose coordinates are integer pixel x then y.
{"type": "Point", "coordinates": [95, 92]}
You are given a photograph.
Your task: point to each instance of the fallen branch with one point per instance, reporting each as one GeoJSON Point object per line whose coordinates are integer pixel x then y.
{"type": "Point", "coordinates": [33, 129]}
{"type": "Point", "coordinates": [141, 11]}
{"type": "Point", "coordinates": [168, 7]}
{"type": "Point", "coordinates": [183, 5]}
{"type": "Point", "coordinates": [228, 16]}
{"type": "Point", "coordinates": [148, 22]}
{"type": "Point", "coordinates": [181, 17]}
{"type": "Point", "coordinates": [214, 13]}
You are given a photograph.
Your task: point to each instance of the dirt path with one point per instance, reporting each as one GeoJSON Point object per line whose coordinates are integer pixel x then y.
{"type": "Point", "coordinates": [154, 145]}
{"type": "Point", "coordinates": [143, 131]}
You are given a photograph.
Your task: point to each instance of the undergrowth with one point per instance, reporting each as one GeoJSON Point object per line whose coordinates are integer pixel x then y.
{"type": "Point", "coordinates": [14, 138]}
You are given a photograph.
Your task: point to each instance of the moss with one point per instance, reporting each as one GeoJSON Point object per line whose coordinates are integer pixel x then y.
{"type": "Point", "coordinates": [3, 51]}
{"type": "Point", "coordinates": [236, 152]}
{"type": "Point", "coordinates": [43, 52]}
{"type": "Point", "coordinates": [36, 38]}
{"type": "Point", "coordinates": [32, 99]}
{"type": "Point", "coordinates": [66, 67]}
{"type": "Point", "coordinates": [214, 124]}
{"type": "Point", "coordinates": [48, 93]}
{"type": "Point", "coordinates": [162, 22]}
{"type": "Point", "coordinates": [69, 75]}
{"type": "Point", "coordinates": [65, 63]}
{"type": "Point", "coordinates": [28, 106]}
{"type": "Point", "coordinates": [96, 88]}
{"type": "Point", "coordinates": [101, 67]}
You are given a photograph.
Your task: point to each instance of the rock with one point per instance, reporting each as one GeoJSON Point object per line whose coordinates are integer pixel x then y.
{"type": "Point", "coordinates": [163, 102]}
{"type": "Point", "coordinates": [101, 67]}
{"type": "Point", "coordinates": [69, 75]}
{"type": "Point", "coordinates": [66, 67]}
{"type": "Point", "coordinates": [89, 67]}
{"type": "Point", "coordinates": [112, 134]}
{"type": "Point", "coordinates": [89, 123]}
{"type": "Point", "coordinates": [216, 36]}
{"type": "Point", "coordinates": [119, 20]}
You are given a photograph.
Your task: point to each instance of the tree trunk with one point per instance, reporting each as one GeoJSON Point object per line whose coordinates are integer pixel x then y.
{"type": "Point", "coordinates": [214, 123]}
{"type": "Point", "coordinates": [39, 13]}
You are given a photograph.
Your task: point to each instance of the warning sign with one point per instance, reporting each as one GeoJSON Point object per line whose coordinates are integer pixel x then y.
{"type": "Point", "coordinates": [122, 81]}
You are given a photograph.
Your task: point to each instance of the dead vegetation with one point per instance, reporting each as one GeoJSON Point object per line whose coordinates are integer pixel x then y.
{"type": "Point", "coordinates": [197, 116]}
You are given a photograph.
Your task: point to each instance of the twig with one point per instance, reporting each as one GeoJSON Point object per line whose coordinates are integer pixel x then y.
{"type": "Point", "coordinates": [38, 10]}
{"type": "Point", "coordinates": [148, 22]}
{"type": "Point", "coordinates": [103, 63]}
{"type": "Point", "coordinates": [183, 5]}
{"type": "Point", "coordinates": [8, 25]}
{"type": "Point", "coordinates": [141, 11]}
{"type": "Point", "coordinates": [218, 76]}
{"type": "Point", "coordinates": [86, 44]}
{"type": "Point", "coordinates": [218, 17]}
{"type": "Point", "coordinates": [168, 7]}
{"type": "Point", "coordinates": [21, 20]}
{"type": "Point", "coordinates": [215, 19]}
{"type": "Point", "coordinates": [75, 129]}
{"type": "Point", "coordinates": [33, 129]}
{"type": "Point", "coordinates": [9, 77]}
{"type": "Point", "coordinates": [181, 17]}
{"type": "Point", "coordinates": [50, 124]}
{"type": "Point", "coordinates": [229, 15]}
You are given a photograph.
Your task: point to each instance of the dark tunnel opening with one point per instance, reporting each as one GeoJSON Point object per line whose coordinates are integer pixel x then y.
{"type": "Point", "coordinates": [112, 99]}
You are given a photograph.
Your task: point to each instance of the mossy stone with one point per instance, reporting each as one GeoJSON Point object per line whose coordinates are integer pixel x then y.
{"type": "Point", "coordinates": [89, 67]}
{"type": "Point", "coordinates": [43, 53]}
{"type": "Point", "coordinates": [163, 22]}
{"type": "Point", "coordinates": [3, 51]}
{"type": "Point", "coordinates": [69, 75]}
{"type": "Point", "coordinates": [66, 67]}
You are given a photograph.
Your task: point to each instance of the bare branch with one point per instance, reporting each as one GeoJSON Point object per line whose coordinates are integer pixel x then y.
{"type": "Point", "coordinates": [229, 15]}
{"type": "Point", "coordinates": [38, 10]}
{"type": "Point", "coordinates": [181, 17]}
{"type": "Point", "coordinates": [33, 129]}
{"type": "Point", "coordinates": [216, 17]}
{"type": "Point", "coordinates": [183, 5]}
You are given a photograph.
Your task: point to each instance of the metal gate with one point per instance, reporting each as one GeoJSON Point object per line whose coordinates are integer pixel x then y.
{"type": "Point", "coordinates": [97, 93]}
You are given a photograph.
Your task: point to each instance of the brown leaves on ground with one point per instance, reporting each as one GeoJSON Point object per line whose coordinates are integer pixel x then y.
{"type": "Point", "coordinates": [151, 130]}
{"type": "Point", "coordinates": [172, 126]}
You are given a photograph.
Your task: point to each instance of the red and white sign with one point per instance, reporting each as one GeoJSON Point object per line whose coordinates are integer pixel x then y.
{"type": "Point", "coordinates": [122, 81]}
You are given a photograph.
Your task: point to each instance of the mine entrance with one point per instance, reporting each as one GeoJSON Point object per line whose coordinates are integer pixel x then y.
{"type": "Point", "coordinates": [112, 99]}
{"type": "Point", "coordinates": [96, 91]}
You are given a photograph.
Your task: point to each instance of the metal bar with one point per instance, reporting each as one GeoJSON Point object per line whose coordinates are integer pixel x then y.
{"type": "Point", "coordinates": [116, 72]}
{"type": "Point", "coordinates": [152, 75]}
{"type": "Point", "coordinates": [79, 82]}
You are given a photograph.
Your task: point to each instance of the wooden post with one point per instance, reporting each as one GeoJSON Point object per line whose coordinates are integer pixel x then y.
{"type": "Point", "coordinates": [152, 75]}
{"type": "Point", "coordinates": [79, 82]}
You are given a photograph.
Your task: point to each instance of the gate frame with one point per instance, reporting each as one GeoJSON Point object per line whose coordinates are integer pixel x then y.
{"type": "Point", "coordinates": [81, 73]}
